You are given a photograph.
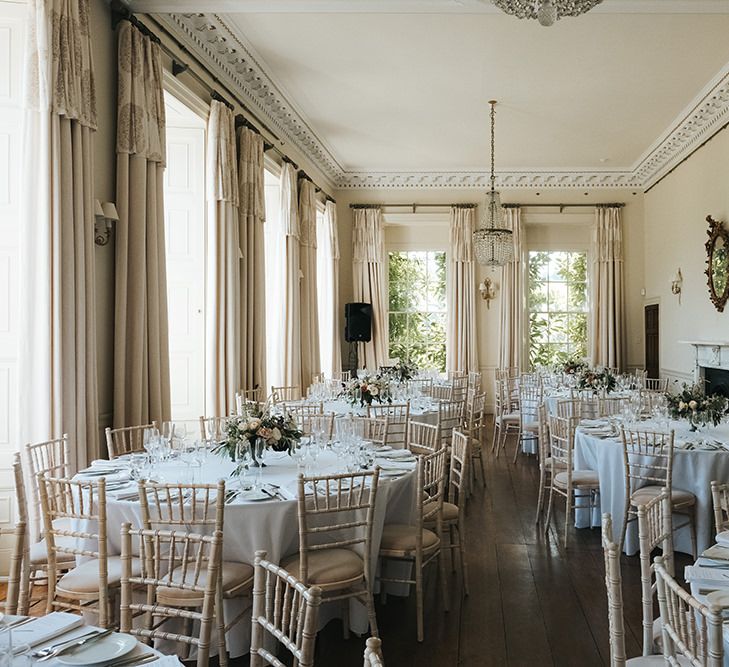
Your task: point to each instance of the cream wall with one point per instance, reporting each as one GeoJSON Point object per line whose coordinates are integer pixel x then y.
{"type": "Point", "coordinates": [675, 233]}
{"type": "Point", "coordinates": [552, 233]}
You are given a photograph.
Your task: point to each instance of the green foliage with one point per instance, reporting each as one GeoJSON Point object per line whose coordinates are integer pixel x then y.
{"type": "Point", "coordinates": [417, 295]}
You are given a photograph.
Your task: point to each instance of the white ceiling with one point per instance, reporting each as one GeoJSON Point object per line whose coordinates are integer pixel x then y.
{"type": "Point", "coordinates": [407, 92]}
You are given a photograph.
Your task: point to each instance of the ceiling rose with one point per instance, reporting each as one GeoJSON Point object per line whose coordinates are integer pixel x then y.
{"type": "Point", "coordinates": [545, 11]}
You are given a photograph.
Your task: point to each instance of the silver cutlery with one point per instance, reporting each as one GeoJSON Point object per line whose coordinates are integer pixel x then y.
{"type": "Point", "coordinates": [38, 653]}
{"type": "Point", "coordinates": [74, 644]}
{"type": "Point", "coordinates": [136, 660]}
{"type": "Point", "coordinates": [20, 621]}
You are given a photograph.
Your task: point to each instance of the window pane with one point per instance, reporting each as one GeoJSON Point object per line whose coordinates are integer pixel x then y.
{"type": "Point", "coordinates": [557, 297]}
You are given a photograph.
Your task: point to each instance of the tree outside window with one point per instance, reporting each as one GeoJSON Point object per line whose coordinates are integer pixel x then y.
{"type": "Point", "coordinates": [417, 305]}
{"type": "Point", "coordinates": [557, 307]}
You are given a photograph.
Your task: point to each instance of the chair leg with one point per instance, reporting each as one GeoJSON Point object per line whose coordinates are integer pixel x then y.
{"type": "Point", "coordinates": [494, 436]}
{"type": "Point", "coordinates": [549, 509]}
{"type": "Point", "coordinates": [345, 618]}
{"type": "Point", "coordinates": [371, 614]}
{"type": "Point", "coordinates": [220, 615]}
{"type": "Point", "coordinates": [451, 545]}
{"type": "Point", "coordinates": [625, 525]}
{"type": "Point", "coordinates": [462, 553]}
{"type": "Point", "coordinates": [540, 498]}
{"type": "Point", "coordinates": [442, 578]}
{"type": "Point", "coordinates": [419, 597]}
{"type": "Point", "coordinates": [567, 516]}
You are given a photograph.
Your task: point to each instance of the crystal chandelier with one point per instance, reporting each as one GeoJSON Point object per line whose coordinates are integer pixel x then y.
{"type": "Point", "coordinates": [545, 11]}
{"type": "Point", "coordinates": [493, 245]}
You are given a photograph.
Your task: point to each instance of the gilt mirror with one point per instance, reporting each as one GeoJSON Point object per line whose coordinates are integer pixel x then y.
{"type": "Point", "coordinates": [717, 270]}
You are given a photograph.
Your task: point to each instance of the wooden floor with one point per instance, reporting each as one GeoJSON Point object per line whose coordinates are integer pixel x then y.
{"type": "Point", "coordinates": [531, 602]}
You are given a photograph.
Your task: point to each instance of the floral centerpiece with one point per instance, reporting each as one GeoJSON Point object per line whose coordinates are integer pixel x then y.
{"type": "Point", "coordinates": [692, 404]}
{"type": "Point", "coordinates": [596, 379]}
{"type": "Point", "coordinates": [573, 366]}
{"type": "Point", "coordinates": [404, 370]}
{"type": "Point", "coordinates": [258, 427]}
{"type": "Point", "coordinates": [369, 388]}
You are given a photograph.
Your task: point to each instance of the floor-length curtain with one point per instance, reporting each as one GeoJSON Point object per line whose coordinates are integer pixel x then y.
{"type": "Point", "coordinates": [368, 254]}
{"type": "Point", "coordinates": [461, 344]}
{"type": "Point", "coordinates": [330, 340]}
{"type": "Point", "coordinates": [292, 290]}
{"type": "Point", "coordinates": [222, 302]}
{"type": "Point", "coordinates": [251, 218]}
{"type": "Point", "coordinates": [513, 283]}
{"type": "Point", "coordinates": [58, 378]}
{"type": "Point", "coordinates": [310, 359]}
{"type": "Point", "coordinates": [607, 308]}
{"type": "Point", "coordinates": [141, 345]}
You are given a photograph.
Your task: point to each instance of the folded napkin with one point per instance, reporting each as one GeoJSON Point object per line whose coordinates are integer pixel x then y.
{"type": "Point", "coordinates": [717, 552]}
{"type": "Point", "coordinates": [592, 423]}
{"type": "Point", "coordinates": [167, 661]}
{"type": "Point", "coordinates": [397, 465]}
{"type": "Point", "coordinates": [706, 575]}
{"type": "Point", "coordinates": [287, 493]}
{"type": "Point", "coordinates": [396, 454]}
{"type": "Point", "coordinates": [46, 628]}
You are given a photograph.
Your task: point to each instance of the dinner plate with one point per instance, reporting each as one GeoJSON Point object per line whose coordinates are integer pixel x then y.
{"type": "Point", "coordinates": [722, 538]}
{"type": "Point", "coordinates": [103, 651]}
{"type": "Point", "coordinates": [253, 496]}
{"type": "Point", "coordinates": [720, 598]}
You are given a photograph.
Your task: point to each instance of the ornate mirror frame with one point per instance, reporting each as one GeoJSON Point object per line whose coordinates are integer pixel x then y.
{"type": "Point", "coordinates": [716, 231]}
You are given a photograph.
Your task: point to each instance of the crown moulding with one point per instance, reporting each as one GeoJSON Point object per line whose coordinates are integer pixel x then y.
{"type": "Point", "coordinates": [234, 62]}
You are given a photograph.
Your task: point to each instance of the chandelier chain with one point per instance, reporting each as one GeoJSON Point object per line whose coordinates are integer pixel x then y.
{"type": "Point", "coordinates": [493, 142]}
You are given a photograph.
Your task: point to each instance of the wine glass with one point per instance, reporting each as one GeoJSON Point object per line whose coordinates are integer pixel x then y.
{"type": "Point", "coordinates": [245, 458]}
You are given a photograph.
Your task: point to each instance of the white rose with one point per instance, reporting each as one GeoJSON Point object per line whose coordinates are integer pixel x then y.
{"type": "Point", "coordinates": [374, 391]}
{"type": "Point", "coordinates": [253, 424]}
{"type": "Point", "coordinates": [276, 433]}
{"type": "Point", "coordinates": [692, 405]}
{"type": "Point", "coordinates": [681, 405]}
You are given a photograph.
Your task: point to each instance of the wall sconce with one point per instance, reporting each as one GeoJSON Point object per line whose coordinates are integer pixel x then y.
{"type": "Point", "coordinates": [105, 214]}
{"type": "Point", "coordinates": [488, 291]}
{"type": "Point", "coordinates": [677, 284]}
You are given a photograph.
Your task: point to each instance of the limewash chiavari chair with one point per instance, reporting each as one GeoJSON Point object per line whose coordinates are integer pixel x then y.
{"type": "Point", "coordinates": [474, 381]}
{"type": "Point", "coordinates": [656, 384]}
{"type": "Point", "coordinates": [441, 392]}
{"type": "Point", "coordinates": [212, 428]}
{"type": "Point", "coordinates": [248, 400]}
{"type": "Point", "coordinates": [127, 440]}
{"type": "Point", "coordinates": [179, 571]}
{"type": "Point", "coordinates": [508, 373]}
{"type": "Point", "coordinates": [373, 429]}
{"type": "Point", "coordinates": [651, 399]}
{"type": "Point", "coordinates": [423, 438]}
{"type": "Point", "coordinates": [506, 415]}
{"type": "Point", "coordinates": [342, 376]}
{"type": "Point", "coordinates": [475, 427]}
{"type": "Point", "coordinates": [285, 609]}
{"type": "Point", "coordinates": [398, 415]}
{"type": "Point", "coordinates": [457, 375]}
{"type": "Point", "coordinates": [417, 544]}
{"type": "Point", "coordinates": [654, 531]}
{"type": "Point", "coordinates": [423, 385]}
{"type": "Point", "coordinates": [335, 538]}
{"type": "Point", "coordinates": [460, 389]}
{"type": "Point", "coordinates": [530, 398]}
{"type": "Point", "coordinates": [450, 416]}
{"type": "Point", "coordinates": [202, 508]}
{"type": "Point", "coordinates": [373, 653]}
{"type": "Point", "coordinates": [609, 406]}
{"type": "Point", "coordinates": [12, 594]}
{"type": "Point", "coordinates": [648, 467]}
{"type": "Point", "coordinates": [285, 394]}
{"type": "Point", "coordinates": [578, 408]}
{"type": "Point", "coordinates": [640, 376]}
{"type": "Point", "coordinates": [720, 502]}
{"type": "Point", "coordinates": [82, 507]}
{"type": "Point", "coordinates": [614, 586]}
{"type": "Point", "coordinates": [308, 423]}
{"type": "Point", "coordinates": [565, 481]}
{"type": "Point", "coordinates": [545, 461]}
{"type": "Point", "coordinates": [692, 631]}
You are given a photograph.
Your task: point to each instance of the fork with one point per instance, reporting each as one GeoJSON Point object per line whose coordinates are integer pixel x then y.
{"type": "Point", "coordinates": [62, 647]}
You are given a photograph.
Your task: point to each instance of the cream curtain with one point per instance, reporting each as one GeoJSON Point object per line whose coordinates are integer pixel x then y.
{"type": "Point", "coordinates": [57, 356]}
{"type": "Point", "coordinates": [368, 254]}
{"type": "Point", "coordinates": [513, 282]}
{"type": "Point", "coordinates": [310, 358]}
{"type": "Point", "coordinates": [251, 218]}
{"type": "Point", "coordinates": [292, 292]}
{"type": "Point", "coordinates": [330, 340]}
{"type": "Point", "coordinates": [607, 311]}
{"type": "Point", "coordinates": [141, 346]}
{"type": "Point", "coordinates": [222, 302]}
{"type": "Point", "coordinates": [461, 344]}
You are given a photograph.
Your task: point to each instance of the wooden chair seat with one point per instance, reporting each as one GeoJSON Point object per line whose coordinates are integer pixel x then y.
{"type": "Point", "coordinates": [449, 512]}
{"type": "Point", "coordinates": [557, 464]}
{"type": "Point", "coordinates": [679, 498]}
{"type": "Point", "coordinates": [580, 479]}
{"type": "Point", "coordinates": [38, 555]}
{"type": "Point", "coordinates": [400, 539]}
{"type": "Point", "coordinates": [236, 577]}
{"type": "Point", "coordinates": [329, 569]}
{"type": "Point", "coordinates": [84, 579]}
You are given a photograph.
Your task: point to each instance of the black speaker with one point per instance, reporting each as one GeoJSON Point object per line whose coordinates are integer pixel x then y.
{"type": "Point", "coordinates": [358, 322]}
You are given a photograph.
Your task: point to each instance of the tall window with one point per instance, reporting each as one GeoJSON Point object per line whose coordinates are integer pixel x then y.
{"type": "Point", "coordinates": [417, 304]}
{"type": "Point", "coordinates": [557, 306]}
{"type": "Point", "coordinates": [275, 291]}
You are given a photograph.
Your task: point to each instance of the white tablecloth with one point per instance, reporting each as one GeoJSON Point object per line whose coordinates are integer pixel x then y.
{"type": "Point", "coordinates": [271, 525]}
{"type": "Point", "coordinates": [693, 470]}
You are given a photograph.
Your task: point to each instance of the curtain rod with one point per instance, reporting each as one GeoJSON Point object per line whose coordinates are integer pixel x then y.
{"type": "Point", "coordinates": [120, 12]}
{"type": "Point", "coordinates": [412, 206]}
{"type": "Point", "coordinates": [561, 207]}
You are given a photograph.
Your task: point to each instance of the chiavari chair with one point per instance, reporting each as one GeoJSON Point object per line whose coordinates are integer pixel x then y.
{"type": "Point", "coordinates": [313, 422]}
{"type": "Point", "coordinates": [457, 375]}
{"type": "Point", "coordinates": [398, 415]}
{"type": "Point", "coordinates": [720, 502]}
{"type": "Point", "coordinates": [474, 381]}
{"type": "Point", "coordinates": [578, 408]}
{"type": "Point", "coordinates": [611, 405]}
{"type": "Point", "coordinates": [530, 398]}
{"type": "Point", "coordinates": [285, 394]}
{"type": "Point", "coordinates": [179, 571]}
{"type": "Point", "coordinates": [423, 438]}
{"type": "Point", "coordinates": [656, 384]}
{"type": "Point", "coordinates": [415, 543]}
{"type": "Point", "coordinates": [475, 427]}
{"type": "Point", "coordinates": [567, 482]}
{"type": "Point", "coordinates": [692, 631]}
{"type": "Point", "coordinates": [648, 468]}
{"type": "Point", "coordinates": [545, 461]}
{"type": "Point", "coordinates": [248, 400]}
{"type": "Point", "coordinates": [212, 428]}
{"type": "Point", "coordinates": [442, 392]}
{"type": "Point", "coordinates": [335, 537]}
{"type": "Point", "coordinates": [460, 390]}
{"type": "Point", "coordinates": [640, 376]}
{"type": "Point", "coordinates": [373, 653]}
{"type": "Point", "coordinates": [342, 376]}
{"type": "Point", "coordinates": [16, 587]}
{"type": "Point", "coordinates": [373, 429]}
{"type": "Point", "coordinates": [423, 385]}
{"type": "Point", "coordinates": [285, 610]}
{"type": "Point", "coordinates": [506, 415]}
{"type": "Point", "coordinates": [450, 416]}
{"type": "Point", "coordinates": [201, 508]}
{"type": "Point", "coordinates": [508, 373]}
{"type": "Point", "coordinates": [126, 440]}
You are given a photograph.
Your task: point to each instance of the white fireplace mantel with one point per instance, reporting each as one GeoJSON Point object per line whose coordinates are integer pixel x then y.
{"type": "Point", "coordinates": [709, 354]}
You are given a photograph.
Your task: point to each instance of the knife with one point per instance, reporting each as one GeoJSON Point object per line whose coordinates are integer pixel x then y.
{"type": "Point", "coordinates": [83, 642]}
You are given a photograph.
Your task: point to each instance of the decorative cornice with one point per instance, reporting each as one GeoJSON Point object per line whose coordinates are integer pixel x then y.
{"type": "Point", "coordinates": [236, 64]}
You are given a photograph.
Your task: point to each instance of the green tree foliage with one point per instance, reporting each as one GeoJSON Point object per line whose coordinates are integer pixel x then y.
{"type": "Point", "coordinates": [417, 294]}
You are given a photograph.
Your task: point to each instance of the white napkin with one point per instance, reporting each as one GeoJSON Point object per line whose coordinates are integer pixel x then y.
{"type": "Point", "coordinates": [397, 465]}
{"type": "Point", "coordinates": [47, 627]}
{"type": "Point", "coordinates": [169, 660]}
{"type": "Point", "coordinates": [396, 454]}
{"type": "Point", "coordinates": [707, 575]}
{"type": "Point", "coordinates": [287, 493]}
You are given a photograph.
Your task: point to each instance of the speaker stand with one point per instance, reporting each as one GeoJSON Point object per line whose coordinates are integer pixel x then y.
{"type": "Point", "coordinates": [352, 358]}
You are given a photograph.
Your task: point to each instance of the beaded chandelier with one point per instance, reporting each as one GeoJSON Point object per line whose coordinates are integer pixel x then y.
{"type": "Point", "coordinates": [545, 11]}
{"type": "Point", "coordinates": [492, 244]}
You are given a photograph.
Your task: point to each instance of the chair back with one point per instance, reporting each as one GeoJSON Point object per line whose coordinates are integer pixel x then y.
{"type": "Point", "coordinates": [397, 415]}
{"type": "Point", "coordinates": [475, 418]}
{"type": "Point", "coordinates": [338, 513]}
{"type": "Point", "coordinates": [474, 381]}
{"type": "Point", "coordinates": [543, 434]}
{"type": "Point", "coordinates": [457, 375]}
{"type": "Point", "coordinates": [174, 565]}
{"type": "Point", "coordinates": [342, 376]}
{"type": "Point", "coordinates": [656, 384]}
{"type": "Point", "coordinates": [212, 429]}
{"type": "Point", "coordinates": [507, 373]}
{"type": "Point", "coordinates": [373, 429]}
{"type": "Point", "coordinates": [74, 517]}
{"type": "Point", "coordinates": [423, 438]}
{"type": "Point", "coordinates": [423, 385]}
{"type": "Point", "coordinates": [614, 585]}
{"type": "Point", "coordinates": [126, 440]}
{"type": "Point", "coordinates": [442, 392]}
{"type": "Point", "coordinates": [647, 459]}
{"type": "Point", "coordinates": [373, 653]}
{"type": "Point", "coordinates": [458, 474]}
{"type": "Point", "coordinates": [430, 491]}
{"type": "Point", "coordinates": [608, 406]}
{"type": "Point", "coordinates": [460, 389]}
{"type": "Point", "coordinates": [248, 400]}
{"type": "Point", "coordinates": [690, 628]}
{"type": "Point", "coordinates": [450, 416]}
{"type": "Point", "coordinates": [285, 394]}
{"type": "Point", "coordinates": [562, 441]}
{"type": "Point", "coordinates": [720, 500]}
{"type": "Point", "coordinates": [285, 609]}
{"type": "Point", "coordinates": [530, 398]}
{"type": "Point", "coordinates": [179, 506]}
